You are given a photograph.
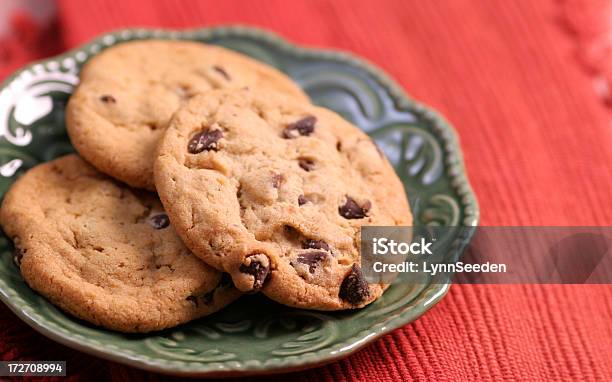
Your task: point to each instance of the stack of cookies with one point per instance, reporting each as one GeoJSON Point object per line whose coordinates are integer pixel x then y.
{"type": "Point", "coordinates": [202, 175]}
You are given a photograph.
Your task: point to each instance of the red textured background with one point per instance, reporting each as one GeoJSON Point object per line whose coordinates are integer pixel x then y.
{"type": "Point", "coordinates": [537, 139]}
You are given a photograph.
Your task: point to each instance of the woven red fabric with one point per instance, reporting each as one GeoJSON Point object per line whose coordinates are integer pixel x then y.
{"type": "Point", "coordinates": [26, 41]}
{"type": "Point", "coordinates": [538, 147]}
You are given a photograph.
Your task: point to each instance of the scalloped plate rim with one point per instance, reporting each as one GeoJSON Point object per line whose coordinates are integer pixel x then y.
{"type": "Point", "coordinates": [153, 364]}
{"type": "Point", "coordinates": [361, 339]}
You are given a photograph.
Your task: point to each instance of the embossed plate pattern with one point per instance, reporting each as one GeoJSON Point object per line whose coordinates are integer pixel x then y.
{"type": "Point", "coordinates": [255, 335]}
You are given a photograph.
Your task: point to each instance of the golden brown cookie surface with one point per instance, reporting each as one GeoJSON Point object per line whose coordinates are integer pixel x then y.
{"type": "Point", "coordinates": [274, 191]}
{"type": "Point", "coordinates": [106, 253]}
{"type": "Point", "coordinates": [128, 93]}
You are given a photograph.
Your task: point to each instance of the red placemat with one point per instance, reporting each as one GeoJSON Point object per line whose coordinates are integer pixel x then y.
{"type": "Point", "coordinates": [537, 140]}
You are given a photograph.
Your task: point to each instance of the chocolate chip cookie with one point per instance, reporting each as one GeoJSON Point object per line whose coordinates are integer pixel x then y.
{"type": "Point", "coordinates": [274, 191]}
{"type": "Point", "coordinates": [106, 253]}
{"type": "Point", "coordinates": [128, 93]}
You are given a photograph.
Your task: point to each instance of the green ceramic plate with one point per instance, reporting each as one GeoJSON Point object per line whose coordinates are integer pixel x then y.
{"type": "Point", "coordinates": [253, 336]}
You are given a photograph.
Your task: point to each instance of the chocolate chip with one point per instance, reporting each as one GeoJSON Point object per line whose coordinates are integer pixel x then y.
{"type": "Point", "coordinates": [352, 210]}
{"type": "Point", "coordinates": [205, 140]}
{"type": "Point", "coordinates": [354, 288]}
{"type": "Point", "coordinates": [304, 126]}
{"type": "Point", "coordinates": [312, 259]}
{"type": "Point", "coordinates": [159, 221]}
{"type": "Point", "coordinates": [258, 266]}
{"type": "Point", "coordinates": [302, 200]}
{"type": "Point", "coordinates": [207, 299]}
{"type": "Point", "coordinates": [277, 180]}
{"type": "Point", "coordinates": [222, 71]}
{"type": "Point", "coordinates": [108, 99]}
{"type": "Point", "coordinates": [315, 244]}
{"type": "Point", "coordinates": [306, 164]}
{"type": "Point", "coordinates": [193, 300]}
